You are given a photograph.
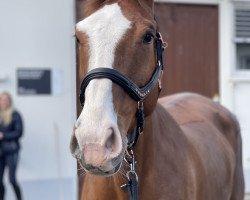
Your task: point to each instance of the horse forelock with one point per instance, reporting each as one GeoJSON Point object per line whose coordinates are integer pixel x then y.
{"type": "Point", "coordinates": [91, 6]}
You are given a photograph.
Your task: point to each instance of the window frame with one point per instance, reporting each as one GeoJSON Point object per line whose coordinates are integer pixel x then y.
{"type": "Point", "coordinates": [238, 74]}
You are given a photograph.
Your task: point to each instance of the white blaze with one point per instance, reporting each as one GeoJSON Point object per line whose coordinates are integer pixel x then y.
{"type": "Point", "coordinates": [104, 28]}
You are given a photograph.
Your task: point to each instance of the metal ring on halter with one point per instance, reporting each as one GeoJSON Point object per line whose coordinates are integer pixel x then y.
{"type": "Point", "coordinates": [164, 44]}
{"type": "Point", "coordinates": [131, 172]}
{"type": "Point", "coordinates": [140, 104]}
{"type": "Point", "coordinates": [130, 154]}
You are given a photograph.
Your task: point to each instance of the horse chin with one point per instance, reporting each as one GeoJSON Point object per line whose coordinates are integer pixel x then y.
{"type": "Point", "coordinates": [99, 172]}
{"type": "Point", "coordinates": [110, 168]}
{"type": "Point", "coordinates": [107, 168]}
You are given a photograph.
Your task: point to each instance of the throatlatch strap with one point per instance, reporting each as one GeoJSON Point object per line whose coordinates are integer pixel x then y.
{"type": "Point", "coordinates": [133, 136]}
{"type": "Point", "coordinates": [159, 50]}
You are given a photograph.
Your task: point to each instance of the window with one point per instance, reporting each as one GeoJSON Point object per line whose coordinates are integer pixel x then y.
{"type": "Point", "coordinates": [243, 56]}
{"type": "Point", "coordinates": [242, 37]}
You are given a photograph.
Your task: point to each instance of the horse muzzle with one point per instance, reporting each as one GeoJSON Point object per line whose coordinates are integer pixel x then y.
{"type": "Point", "coordinates": [95, 158]}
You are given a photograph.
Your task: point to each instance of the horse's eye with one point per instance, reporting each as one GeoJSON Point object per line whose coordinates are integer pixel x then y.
{"type": "Point", "coordinates": [148, 38]}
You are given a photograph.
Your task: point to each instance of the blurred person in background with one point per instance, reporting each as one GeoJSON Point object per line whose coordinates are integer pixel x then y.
{"type": "Point", "coordinates": [11, 129]}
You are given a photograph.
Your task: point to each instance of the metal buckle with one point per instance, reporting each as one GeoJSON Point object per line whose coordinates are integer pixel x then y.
{"type": "Point", "coordinates": [139, 104]}
{"type": "Point", "coordinates": [131, 163]}
{"type": "Point", "coordinates": [164, 44]}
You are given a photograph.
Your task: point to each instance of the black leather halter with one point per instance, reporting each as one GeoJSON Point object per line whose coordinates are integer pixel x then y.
{"type": "Point", "coordinates": [138, 94]}
{"type": "Point", "coordinates": [135, 92]}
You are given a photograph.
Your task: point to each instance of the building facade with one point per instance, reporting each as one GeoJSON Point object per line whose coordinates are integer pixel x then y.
{"type": "Point", "coordinates": [36, 40]}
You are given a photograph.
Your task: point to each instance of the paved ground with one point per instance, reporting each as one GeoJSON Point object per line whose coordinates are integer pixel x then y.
{"type": "Point", "coordinates": [247, 197]}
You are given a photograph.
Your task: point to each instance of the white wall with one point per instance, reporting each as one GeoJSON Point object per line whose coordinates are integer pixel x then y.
{"type": "Point", "coordinates": [39, 34]}
{"type": "Point", "coordinates": [234, 85]}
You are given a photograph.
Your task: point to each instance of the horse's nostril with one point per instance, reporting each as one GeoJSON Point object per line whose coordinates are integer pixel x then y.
{"type": "Point", "coordinates": [74, 147]}
{"type": "Point", "coordinates": [77, 123]}
{"type": "Point", "coordinates": [110, 142]}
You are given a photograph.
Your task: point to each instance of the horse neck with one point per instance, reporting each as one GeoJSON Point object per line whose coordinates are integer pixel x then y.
{"type": "Point", "coordinates": [160, 140]}
{"type": "Point", "coordinates": [158, 151]}
{"type": "Point", "coordinates": [161, 133]}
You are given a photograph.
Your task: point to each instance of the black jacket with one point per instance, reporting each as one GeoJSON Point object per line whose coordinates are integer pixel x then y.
{"type": "Point", "coordinates": [12, 133]}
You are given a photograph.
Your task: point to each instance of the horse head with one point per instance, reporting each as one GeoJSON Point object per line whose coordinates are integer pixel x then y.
{"type": "Point", "coordinates": [121, 36]}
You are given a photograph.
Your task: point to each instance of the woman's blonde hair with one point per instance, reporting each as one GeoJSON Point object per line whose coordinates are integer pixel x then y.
{"type": "Point", "coordinates": [6, 115]}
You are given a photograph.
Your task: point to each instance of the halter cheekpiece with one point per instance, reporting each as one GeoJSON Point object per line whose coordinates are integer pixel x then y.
{"type": "Point", "coordinates": [138, 94]}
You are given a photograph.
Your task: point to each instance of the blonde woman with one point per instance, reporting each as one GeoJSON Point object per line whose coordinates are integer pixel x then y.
{"type": "Point", "coordinates": [11, 129]}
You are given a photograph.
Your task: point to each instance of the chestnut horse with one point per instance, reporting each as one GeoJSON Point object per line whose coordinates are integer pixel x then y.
{"type": "Point", "coordinates": [190, 148]}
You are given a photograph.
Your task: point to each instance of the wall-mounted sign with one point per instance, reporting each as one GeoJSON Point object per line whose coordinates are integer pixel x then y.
{"type": "Point", "coordinates": [31, 81]}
